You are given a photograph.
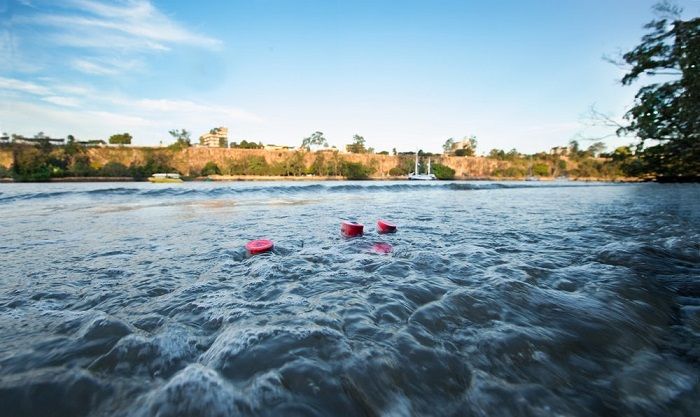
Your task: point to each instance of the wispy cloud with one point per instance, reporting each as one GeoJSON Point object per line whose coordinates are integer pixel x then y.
{"type": "Point", "coordinates": [112, 38]}
{"type": "Point", "coordinates": [64, 108]}
{"type": "Point", "coordinates": [104, 66]}
{"type": "Point", "coordinates": [22, 86]}
{"type": "Point", "coordinates": [62, 101]}
{"type": "Point", "coordinates": [194, 108]}
{"type": "Point", "coordinates": [133, 25]}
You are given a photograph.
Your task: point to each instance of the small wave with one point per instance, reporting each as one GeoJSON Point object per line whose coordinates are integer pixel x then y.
{"type": "Point", "coordinates": [226, 190]}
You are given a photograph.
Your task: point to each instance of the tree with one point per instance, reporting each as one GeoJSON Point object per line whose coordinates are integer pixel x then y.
{"type": "Point", "coordinates": [497, 154]}
{"type": "Point", "coordinates": [316, 139]}
{"type": "Point", "coordinates": [447, 146]}
{"type": "Point", "coordinates": [574, 150]}
{"type": "Point", "coordinates": [182, 138]}
{"type": "Point", "coordinates": [443, 172]}
{"type": "Point", "coordinates": [595, 149]}
{"type": "Point", "coordinates": [472, 143]}
{"type": "Point", "coordinates": [667, 113]}
{"type": "Point", "coordinates": [464, 152]}
{"type": "Point", "coordinates": [356, 171]}
{"type": "Point", "coordinates": [120, 139]}
{"type": "Point", "coordinates": [357, 145]}
{"type": "Point", "coordinates": [210, 168]}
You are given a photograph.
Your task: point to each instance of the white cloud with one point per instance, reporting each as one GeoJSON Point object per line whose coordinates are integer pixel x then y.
{"type": "Point", "coordinates": [26, 118]}
{"type": "Point", "coordinates": [62, 101]}
{"type": "Point", "coordinates": [135, 25]}
{"type": "Point", "coordinates": [23, 86]}
{"type": "Point", "coordinates": [192, 108]}
{"type": "Point", "coordinates": [60, 108]}
{"type": "Point", "coordinates": [105, 66]}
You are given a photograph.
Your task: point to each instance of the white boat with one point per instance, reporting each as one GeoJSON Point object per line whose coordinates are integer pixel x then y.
{"type": "Point", "coordinates": [165, 177]}
{"type": "Point", "coordinates": [415, 175]}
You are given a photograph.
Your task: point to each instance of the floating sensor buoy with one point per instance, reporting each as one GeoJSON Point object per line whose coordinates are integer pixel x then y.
{"type": "Point", "coordinates": [382, 248]}
{"type": "Point", "coordinates": [259, 246]}
{"type": "Point", "coordinates": [352, 229]}
{"type": "Point", "coordinates": [385, 227]}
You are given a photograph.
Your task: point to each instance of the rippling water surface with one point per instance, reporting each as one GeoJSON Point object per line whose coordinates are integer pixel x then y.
{"type": "Point", "coordinates": [516, 299]}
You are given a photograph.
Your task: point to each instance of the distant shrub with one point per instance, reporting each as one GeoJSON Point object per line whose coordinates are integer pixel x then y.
{"type": "Point", "coordinates": [31, 164]}
{"type": "Point", "coordinates": [512, 172]}
{"type": "Point", "coordinates": [464, 152]}
{"type": "Point", "coordinates": [540, 169]}
{"type": "Point", "coordinates": [114, 169]}
{"type": "Point", "coordinates": [398, 172]}
{"type": "Point", "coordinates": [210, 168]}
{"type": "Point", "coordinates": [80, 166]}
{"type": "Point", "coordinates": [443, 172]}
{"type": "Point", "coordinates": [356, 171]}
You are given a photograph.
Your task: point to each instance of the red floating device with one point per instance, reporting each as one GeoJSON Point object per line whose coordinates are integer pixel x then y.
{"type": "Point", "coordinates": [351, 228]}
{"type": "Point", "coordinates": [382, 247]}
{"type": "Point", "coordinates": [259, 246]}
{"type": "Point", "coordinates": [385, 227]}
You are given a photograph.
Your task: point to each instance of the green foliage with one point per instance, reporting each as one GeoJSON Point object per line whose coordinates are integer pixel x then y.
{"type": "Point", "coordinates": [155, 161]}
{"type": "Point", "coordinates": [4, 172]}
{"type": "Point", "coordinates": [182, 139]}
{"type": "Point", "coordinates": [114, 169]}
{"type": "Point", "coordinates": [667, 113]}
{"type": "Point", "coordinates": [210, 168]}
{"type": "Point", "coordinates": [561, 166]}
{"type": "Point", "coordinates": [509, 172]}
{"type": "Point", "coordinates": [30, 163]}
{"type": "Point", "coordinates": [398, 172]}
{"type": "Point", "coordinates": [319, 166]}
{"type": "Point", "coordinates": [464, 152]}
{"type": "Point", "coordinates": [80, 166]}
{"type": "Point", "coordinates": [316, 139]}
{"type": "Point", "coordinates": [595, 149]}
{"type": "Point", "coordinates": [356, 171]}
{"type": "Point", "coordinates": [120, 139]}
{"type": "Point", "coordinates": [443, 172]}
{"type": "Point", "coordinates": [357, 145]}
{"type": "Point", "coordinates": [447, 146]}
{"type": "Point", "coordinates": [541, 170]}
{"type": "Point", "coordinates": [247, 145]}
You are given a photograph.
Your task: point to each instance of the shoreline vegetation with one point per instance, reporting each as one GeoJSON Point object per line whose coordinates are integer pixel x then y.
{"type": "Point", "coordinates": [75, 163]}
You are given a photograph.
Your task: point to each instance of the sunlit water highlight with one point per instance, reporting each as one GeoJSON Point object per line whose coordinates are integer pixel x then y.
{"type": "Point", "coordinates": [515, 299]}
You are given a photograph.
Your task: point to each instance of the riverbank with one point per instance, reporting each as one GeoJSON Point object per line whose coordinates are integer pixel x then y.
{"type": "Point", "coordinates": [233, 178]}
{"type": "Point", "coordinates": [38, 164]}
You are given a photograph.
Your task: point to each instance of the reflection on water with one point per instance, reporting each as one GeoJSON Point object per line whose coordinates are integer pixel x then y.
{"type": "Point", "coordinates": [494, 299]}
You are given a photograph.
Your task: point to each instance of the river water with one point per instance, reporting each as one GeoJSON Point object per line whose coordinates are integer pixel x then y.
{"type": "Point", "coordinates": [497, 299]}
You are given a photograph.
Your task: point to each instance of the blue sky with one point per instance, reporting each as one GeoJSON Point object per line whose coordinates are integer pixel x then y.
{"type": "Point", "coordinates": [404, 74]}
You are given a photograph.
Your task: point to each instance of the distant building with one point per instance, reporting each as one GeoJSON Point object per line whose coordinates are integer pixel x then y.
{"type": "Point", "coordinates": [464, 144]}
{"type": "Point", "coordinates": [37, 140]}
{"type": "Point", "coordinates": [92, 143]}
{"type": "Point", "coordinates": [559, 150]}
{"type": "Point", "coordinates": [215, 138]}
{"type": "Point", "coordinates": [278, 148]}
{"type": "Point", "coordinates": [5, 138]}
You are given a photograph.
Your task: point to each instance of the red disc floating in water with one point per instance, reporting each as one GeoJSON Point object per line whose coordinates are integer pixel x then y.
{"type": "Point", "coordinates": [259, 246]}
{"type": "Point", "coordinates": [382, 247]}
{"type": "Point", "coordinates": [385, 227]}
{"type": "Point", "coordinates": [351, 228]}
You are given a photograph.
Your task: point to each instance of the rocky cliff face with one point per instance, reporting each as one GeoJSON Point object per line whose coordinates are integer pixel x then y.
{"type": "Point", "coordinates": [192, 160]}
